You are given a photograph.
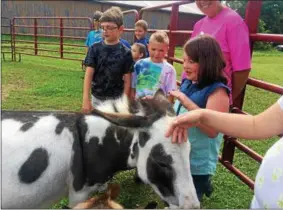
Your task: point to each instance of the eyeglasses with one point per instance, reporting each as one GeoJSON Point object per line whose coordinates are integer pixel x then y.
{"type": "Point", "coordinates": [107, 28]}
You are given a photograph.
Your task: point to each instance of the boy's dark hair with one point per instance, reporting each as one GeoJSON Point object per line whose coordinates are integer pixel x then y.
{"type": "Point", "coordinates": [142, 49]}
{"type": "Point", "coordinates": [96, 15]}
{"type": "Point", "coordinates": [113, 14]}
{"type": "Point", "coordinates": [206, 51]}
{"type": "Point", "coordinates": [142, 23]}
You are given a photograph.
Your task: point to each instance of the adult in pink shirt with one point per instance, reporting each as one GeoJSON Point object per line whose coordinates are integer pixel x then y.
{"type": "Point", "coordinates": [230, 30]}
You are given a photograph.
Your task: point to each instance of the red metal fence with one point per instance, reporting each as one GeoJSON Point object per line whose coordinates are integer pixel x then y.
{"type": "Point", "coordinates": [16, 38]}
{"type": "Point", "coordinates": [6, 28]}
{"type": "Point", "coordinates": [59, 25]}
{"type": "Point", "coordinates": [251, 18]}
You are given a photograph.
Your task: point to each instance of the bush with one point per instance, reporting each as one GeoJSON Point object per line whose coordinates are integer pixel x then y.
{"type": "Point", "coordinates": [262, 45]}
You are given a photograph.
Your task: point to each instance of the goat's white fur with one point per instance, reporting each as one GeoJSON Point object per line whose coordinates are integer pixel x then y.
{"type": "Point", "coordinates": [56, 180]}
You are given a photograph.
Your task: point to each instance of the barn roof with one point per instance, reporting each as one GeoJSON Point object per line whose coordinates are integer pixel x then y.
{"type": "Point", "coordinates": [189, 8]}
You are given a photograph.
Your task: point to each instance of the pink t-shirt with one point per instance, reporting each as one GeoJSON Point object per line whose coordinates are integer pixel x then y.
{"type": "Point", "coordinates": [231, 32]}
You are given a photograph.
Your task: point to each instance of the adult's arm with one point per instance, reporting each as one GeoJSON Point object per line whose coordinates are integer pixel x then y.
{"type": "Point", "coordinates": [263, 125]}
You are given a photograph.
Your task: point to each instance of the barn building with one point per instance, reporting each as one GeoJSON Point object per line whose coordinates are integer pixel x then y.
{"type": "Point", "coordinates": [157, 19]}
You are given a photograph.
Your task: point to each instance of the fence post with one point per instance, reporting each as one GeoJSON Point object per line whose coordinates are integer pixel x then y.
{"type": "Point", "coordinates": [61, 38]}
{"type": "Point", "coordinates": [252, 15]}
{"type": "Point", "coordinates": [35, 37]}
{"type": "Point", "coordinates": [173, 27]}
{"type": "Point", "coordinates": [13, 44]}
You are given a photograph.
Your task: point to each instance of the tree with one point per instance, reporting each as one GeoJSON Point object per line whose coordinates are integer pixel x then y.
{"type": "Point", "coordinates": [271, 14]}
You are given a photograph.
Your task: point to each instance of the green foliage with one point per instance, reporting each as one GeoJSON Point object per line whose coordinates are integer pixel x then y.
{"type": "Point", "coordinates": [271, 18]}
{"type": "Point", "coordinates": [271, 14]}
{"type": "Point", "coordinates": [262, 28]}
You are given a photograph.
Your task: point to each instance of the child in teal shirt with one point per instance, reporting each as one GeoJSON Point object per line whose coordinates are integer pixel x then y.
{"type": "Point", "coordinates": [203, 87]}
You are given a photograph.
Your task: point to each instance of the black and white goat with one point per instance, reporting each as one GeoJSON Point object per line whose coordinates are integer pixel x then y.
{"type": "Point", "coordinates": [48, 155]}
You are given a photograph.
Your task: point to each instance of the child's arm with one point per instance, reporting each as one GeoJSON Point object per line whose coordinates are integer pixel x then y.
{"type": "Point", "coordinates": [128, 69]}
{"type": "Point", "coordinates": [218, 101]}
{"type": "Point", "coordinates": [127, 84]}
{"type": "Point", "coordinates": [133, 93]}
{"type": "Point", "coordinates": [87, 106]}
{"type": "Point", "coordinates": [90, 62]}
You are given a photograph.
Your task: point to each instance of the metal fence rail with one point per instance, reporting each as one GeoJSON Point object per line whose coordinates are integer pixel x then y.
{"type": "Point", "coordinates": [230, 143]}
{"type": "Point", "coordinates": [6, 26]}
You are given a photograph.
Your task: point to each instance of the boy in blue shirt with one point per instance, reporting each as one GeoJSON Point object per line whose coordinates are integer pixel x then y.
{"type": "Point", "coordinates": [141, 27]}
{"type": "Point", "coordinates": [96, 34]}
{"type": "Point", "coordinates": [125, 42]}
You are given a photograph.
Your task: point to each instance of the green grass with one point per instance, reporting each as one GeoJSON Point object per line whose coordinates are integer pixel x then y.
{"type": "Point", "coordinates": [38, 83]}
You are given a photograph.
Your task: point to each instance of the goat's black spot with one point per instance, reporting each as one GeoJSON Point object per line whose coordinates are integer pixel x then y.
{"type": "Point", "coordinates": [67, 120]}
{"type": "Point", "coordinates": [34, 166]}
{"type": "Point", "coordinates": [26, 126]}
{"type": "Point", "coordinates": [151, 205]}
{"type": "Point", "coordinates": [143, 138]}
{"type": "Point", "coordinates": [160, 171]}
{"type": "Point", "coordinates": [78, 166]}
{"type": "Point", "coordinates": [114, 107]}
{"type": "Point", "coordinates": [102, 161]}
{"type": "Point", "coordinates": [59, 128]}
{"type": "Point", "coordinates": [135, 152]}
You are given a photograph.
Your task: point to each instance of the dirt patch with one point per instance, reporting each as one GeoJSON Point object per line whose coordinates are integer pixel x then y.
{"type": "Point", "coordinates": [6, 89]}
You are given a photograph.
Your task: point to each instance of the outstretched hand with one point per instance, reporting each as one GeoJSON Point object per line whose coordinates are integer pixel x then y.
{"type": "Point", "coordinates": [177, 94]}
{"type": "Point", "coordinates": [178, 128]}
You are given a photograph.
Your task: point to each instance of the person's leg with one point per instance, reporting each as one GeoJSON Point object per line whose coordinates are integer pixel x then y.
{"type": "Point", "coordinates": [209, 187]}
{"type": "Point", "coordinates": [203, 185]}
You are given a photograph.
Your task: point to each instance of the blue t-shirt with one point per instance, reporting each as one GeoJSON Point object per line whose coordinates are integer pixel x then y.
{"type": "Point", "coordinates": [93, 36]}
{"type": "Point", "coordinates": [125, 42]}
{"type": "Point", "coordinates": [204, 150]}
{"type": "Point", "coordinates": [145, 42]}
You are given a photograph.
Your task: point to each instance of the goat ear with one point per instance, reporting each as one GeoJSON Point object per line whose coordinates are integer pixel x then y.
{"type": "Point", "coordinates": [127, 120]}
{"type": "Point", "coordinates": [159, 95]}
